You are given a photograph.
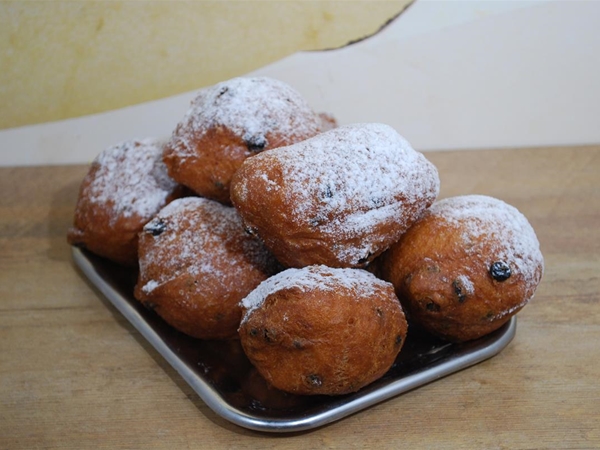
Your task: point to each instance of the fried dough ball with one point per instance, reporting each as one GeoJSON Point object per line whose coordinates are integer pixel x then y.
{"type": "Point", "coordinates": [466, 267]}
{"type": "Point", "coordinates": [230, 122]}
{"type": "Point", "coordinates": [338, 199]}
{"type": "Point", "coordinates": [319, 330]}
{"type": "Point", "coordinates": [126, 185]}
{"type": "Point", "coordinates": [196, 264]}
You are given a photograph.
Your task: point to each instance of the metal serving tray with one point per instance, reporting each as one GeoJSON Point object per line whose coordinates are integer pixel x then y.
{"type": "Point", "coordinates": [226, 381]}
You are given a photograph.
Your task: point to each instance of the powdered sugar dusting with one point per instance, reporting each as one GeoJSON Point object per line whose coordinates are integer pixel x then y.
{"type": "Point", "coordinates": [318, 277]}
{"type": "Point", "coordinates": [347, 181]}
{"type": "Point", "coordinates": [150, 286]}
{"type": "Point", "coordinates": [251, 108]}
{"type": "Point", "coordinates": [479, 215]}
{"type": "Point", "coordinates": [130, 179]}
{"type": "Point", "coordinates": [199, 240]}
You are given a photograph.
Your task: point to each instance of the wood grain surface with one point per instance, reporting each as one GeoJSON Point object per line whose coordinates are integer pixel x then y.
{"type": "Point", "coordinates": [75, 374]}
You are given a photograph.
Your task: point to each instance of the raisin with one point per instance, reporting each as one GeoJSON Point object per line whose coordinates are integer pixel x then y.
{"type": "Point", "coordinates": [156, 227]}
{"type": "Point", "coordinates": [314, 380]}
{"type": "Point", "coordinates": [432, 306]}
{"type": "Point", "coordinates": [500, 271]}
{"type": "Point", "coordinates": [328, 192]}
{"type": "Point", "coordinates": [365, 259]}
{"type": "Point", "coordinates": [317, 220]}
{"type": "Point", "coordinates": [458, 290]}
{"type": "Point", "coordinates": [256, 144]}
{"type": "Point", "coordinates": [377, 202]}
{"type": "Point", "coordinates": [398, 340]}
{"type": "Point", "coordinates": [269, 335]}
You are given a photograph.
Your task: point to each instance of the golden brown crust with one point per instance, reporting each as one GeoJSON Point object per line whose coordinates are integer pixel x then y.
{"type": "Point", "coordinates": [443, 269]}
{"type": "Point", "coordinates": [196, 264]}
{"type": "Point", "coordinates": [332, 336]}
{"type": "Point", "coordinates": [204, 171]}
{"type": "Point", "coordinates": [91, 232]}
{"type": "Point", "coordinates": [125, 186]}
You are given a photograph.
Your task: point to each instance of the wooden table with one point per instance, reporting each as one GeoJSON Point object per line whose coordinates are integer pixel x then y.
{"type": "Point", "coordinates": [75, 374]}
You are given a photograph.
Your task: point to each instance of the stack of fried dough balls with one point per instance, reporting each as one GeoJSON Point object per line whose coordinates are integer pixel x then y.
{"type": "Point", "coordinates": [305, 240]}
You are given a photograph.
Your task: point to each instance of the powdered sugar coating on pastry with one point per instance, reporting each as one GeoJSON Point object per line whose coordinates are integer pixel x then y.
{"type": "Point", "coordinates": [199, 241]}
{"type": "Point", "coordinates": [319, 330]}
{"type": "Point", "coordinates": [339, 187]}
{"type": "Point", "coordinates": [309, 278]}
{"type": "Point", "coordinates": [251, 107]}
{"type": "Point", "coordinates": [196, 264]}
{"type": "Point", "coordinates": [468, 265]}
{"type": "Point", "coordinates": [126, 185]}
{"type": "Point", "coordinates": [230, 122]}
{"type": "Point", "coordinates": [514, 240]}
{"type": "Point", "coordinates": [131, 179]}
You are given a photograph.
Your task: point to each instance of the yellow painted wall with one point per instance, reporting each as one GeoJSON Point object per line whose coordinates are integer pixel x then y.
{"type": "Point", "coordinates": [61, 59]}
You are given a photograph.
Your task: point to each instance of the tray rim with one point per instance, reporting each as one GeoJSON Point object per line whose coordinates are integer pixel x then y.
{"type": "Point", "coordinates": [218, 405]}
